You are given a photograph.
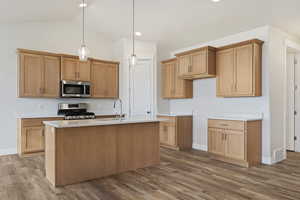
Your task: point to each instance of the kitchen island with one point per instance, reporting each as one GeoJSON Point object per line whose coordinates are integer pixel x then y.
{"type": "Point", "coordinates": [81, 150]}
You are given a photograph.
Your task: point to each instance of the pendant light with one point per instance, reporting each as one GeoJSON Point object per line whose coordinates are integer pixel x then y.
{"type": "Point", "coordinates": [83, 51]}
{"type": "Point", "coordinates": [133, 58]}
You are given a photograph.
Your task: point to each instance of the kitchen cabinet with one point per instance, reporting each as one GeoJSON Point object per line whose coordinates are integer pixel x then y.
{"type": "Point", "coordinates": [176, 132]}
{"type": "Point", "coordinates": [237, 142]}
{"type": "Point", "coordinates": [72, 69]}
{"type": "Point", "coordinates": [197, 64]}
{"type": "Point", "coordinates": [39, 74]}
{"type": "Point", "coordinates": [105, 79]}
{"type": "Point", "coordinates": [31, 135]}
{"type": "Point", "coordinates": [239, 69]}
{"type": "Point", "coordinates": [30, 138]}
{"type": "Point", "coordinates": [174, 87]}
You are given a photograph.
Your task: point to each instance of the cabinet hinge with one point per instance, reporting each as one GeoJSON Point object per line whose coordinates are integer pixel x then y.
{"type": "Point", "coordinates": [295, 138]}
{"type": "Point", "coordinates": [295, 112]}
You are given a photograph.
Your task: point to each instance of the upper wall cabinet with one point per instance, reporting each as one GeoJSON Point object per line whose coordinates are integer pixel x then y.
{"type": "Point", "coordinates": [105, 79]}
{"type": "Point", "coordinates": [74, 70]}
{"type": "Point", "coordinates": [39, 74]}
{"type": "Point", "coordinates": [197, 63]}
{"type": "Point", "coordinates": [174, 87]}
{"type": "Point", "coordinates": [239, 69]}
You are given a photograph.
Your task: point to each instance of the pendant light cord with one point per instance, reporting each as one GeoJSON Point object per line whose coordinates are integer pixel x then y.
{"type": "Point", "coordinates": [83, 22]}
{"type": "Point", "coordinates": [133, 26]}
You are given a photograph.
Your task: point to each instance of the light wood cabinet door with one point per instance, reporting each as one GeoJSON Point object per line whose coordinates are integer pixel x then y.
{"type": "Point", "coordinates": [181, 87]}
{"type": "Point", "coordinates": [33, 138]}
{"type": "Point", "coordinates": [184, 63]}
{"type": "Point", "coordinates": [31, 73]}
{"type": "Point", "coordinates": [244, 70]}
{"type": "Point", "coordinates": [235, 144]}
{"type": "Point", "coordinates": [105, 80]}
{"type": "Point", "coordinates": [199, 62]}
{"type": "Point", "coordinates": [169, 80]}
{"type": "Point", "coordinates": [84, 71]}
{"type": "Point", "coordinates": [216, 141]}
{"type": "Point", "coordinates": [69, 68]}
{"type": "Point", "coordinates": [225, 72]}
{"type": "Point", "coordinates": [51, 76]}
{"type": "Point", "coordinates": [168, 134]}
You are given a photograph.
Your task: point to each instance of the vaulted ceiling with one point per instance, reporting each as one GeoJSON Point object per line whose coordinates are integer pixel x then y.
{"type": "Point", "coordinates": [172, 23]}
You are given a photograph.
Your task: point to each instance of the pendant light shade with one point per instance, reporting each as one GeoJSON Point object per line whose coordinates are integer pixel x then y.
{"type": "Point", "coordinates": [133, 60]}
{"type": "Point", "coordinates": [133, 57]}
{"type": "Point", "coordinates": [83, 52]}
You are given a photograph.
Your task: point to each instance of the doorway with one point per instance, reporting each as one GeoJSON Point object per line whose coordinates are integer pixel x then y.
{"type": "Point", "coordinates": [293, 99]}
{"type": "Point", "coordinates": [142, 88]}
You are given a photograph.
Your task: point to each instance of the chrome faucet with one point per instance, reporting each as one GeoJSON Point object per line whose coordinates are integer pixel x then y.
{"type": "Point", "coordinates": [120, 116]}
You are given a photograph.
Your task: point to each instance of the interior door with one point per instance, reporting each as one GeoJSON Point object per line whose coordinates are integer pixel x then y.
{"type": "Point", "coordinates": [69, 69]}
{"type": "Point", "coordinates": [216, 141]}
{"type": "Point", "coordinates": [141, 88]}
{"type": "Point", "coordinates": [51, 76]}
{"type": "Point", "coordinates": [225, 72]}
{"type": "Point", "coordinates": [297, 104]}
{"type": "Point", "coordinates": [244, 70]}
{"type": "Point", "coordinates": [84, 71]}
{"type": "Point", "coordinates": [199, 62]}
{"type": "Point", "coordinates": [31, 75]}
{"type": "Point", "coordinates": [235, 144]}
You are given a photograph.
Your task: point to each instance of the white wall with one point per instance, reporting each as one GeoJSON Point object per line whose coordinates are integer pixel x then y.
{"type": "Point", "coordinates": [63, 37]}
{"type": "Point", "coordinates": [278, 76]}
{"type": "Point", "coordinates": [122, 51]}
{"type": "Point", "coordinates": [272, 103]}
{"type": "Point", "coordinates": [206, 103]}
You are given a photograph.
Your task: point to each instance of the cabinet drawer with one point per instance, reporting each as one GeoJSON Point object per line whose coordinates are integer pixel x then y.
{"type": "Point", "coordinates": [226, 124]}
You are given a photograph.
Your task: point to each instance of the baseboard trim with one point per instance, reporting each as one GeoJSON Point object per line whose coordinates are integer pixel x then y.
{"type": "Point", "coordinates": [267, 160]}
{"type": "Point", "coordinates": [200, 147]}
{"type": "Point", "coordinates": [10, 151]}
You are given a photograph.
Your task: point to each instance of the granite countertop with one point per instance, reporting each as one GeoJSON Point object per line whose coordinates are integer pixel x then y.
{"type": "Point", "coordinates": [174, 114]}
{"type": "Point", "coordinates": [238, 117]}
{"type": "Point", "coordinates": [100, 122]}
{"type": "Point", "coordinates": [31, 116]}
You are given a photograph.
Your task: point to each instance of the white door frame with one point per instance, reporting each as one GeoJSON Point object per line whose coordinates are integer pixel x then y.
{"type": "Point", "coordinates": [295, 46]}
{"type": "Point", "coordinates": [153, 82]}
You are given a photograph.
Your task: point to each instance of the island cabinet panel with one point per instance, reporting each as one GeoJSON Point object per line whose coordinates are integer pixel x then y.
{"type": "Point", "coordinates": [105, 80]}
{"type": "Point", "coordinates": [239, 69]}
{"type": "Point", "coordinates": [85, 153]}
{"type": "Point", "coordinates": [79, 154]}
{"type": "Point", "coordinates": [197, 63]}
{"type": "Point", "coordinates": [174, 87]}
{"type": "Point", "coordinates": [72, 69]}
{"type": "Point", "coordinates": [176, 132]}
{"type": "Point", "coordinates": [237, 142]}
{"type": "Point", "coordinates": [39, 75]}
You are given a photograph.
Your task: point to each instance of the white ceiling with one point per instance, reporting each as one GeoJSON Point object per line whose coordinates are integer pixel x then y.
{"type": "Point", "coordinates": [172, 23]}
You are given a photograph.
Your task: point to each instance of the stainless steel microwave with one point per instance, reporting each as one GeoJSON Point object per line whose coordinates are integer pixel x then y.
{"type": "Point", "coordinates": [75, 89]}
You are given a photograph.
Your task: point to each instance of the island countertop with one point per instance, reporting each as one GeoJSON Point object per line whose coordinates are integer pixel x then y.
{"type": "Point", "coordinates": [101, 122]}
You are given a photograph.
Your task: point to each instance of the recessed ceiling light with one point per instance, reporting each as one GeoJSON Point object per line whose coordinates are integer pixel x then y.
{"type": "Point", "coordinates": [138, 33]}
{"type": "Point", "coordinates": [215, 0]}
{"type": "Point", "coordinates": [81, 5]}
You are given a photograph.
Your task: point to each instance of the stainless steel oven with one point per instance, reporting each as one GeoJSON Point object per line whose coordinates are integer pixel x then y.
{"type": "Point", "coordinates": [75, 89]}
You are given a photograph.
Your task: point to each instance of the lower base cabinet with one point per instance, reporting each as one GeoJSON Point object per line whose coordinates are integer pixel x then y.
{"type": "Point", "coordinates": [236, 142]}
{"type": "Point", "coordinates": [31, 134]}
{"type": "Point", "coordinates": [176, 132]}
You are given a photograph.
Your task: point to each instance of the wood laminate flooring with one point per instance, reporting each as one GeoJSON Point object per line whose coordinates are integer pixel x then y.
{"type": "Point", "coordinates": [181, 175]}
